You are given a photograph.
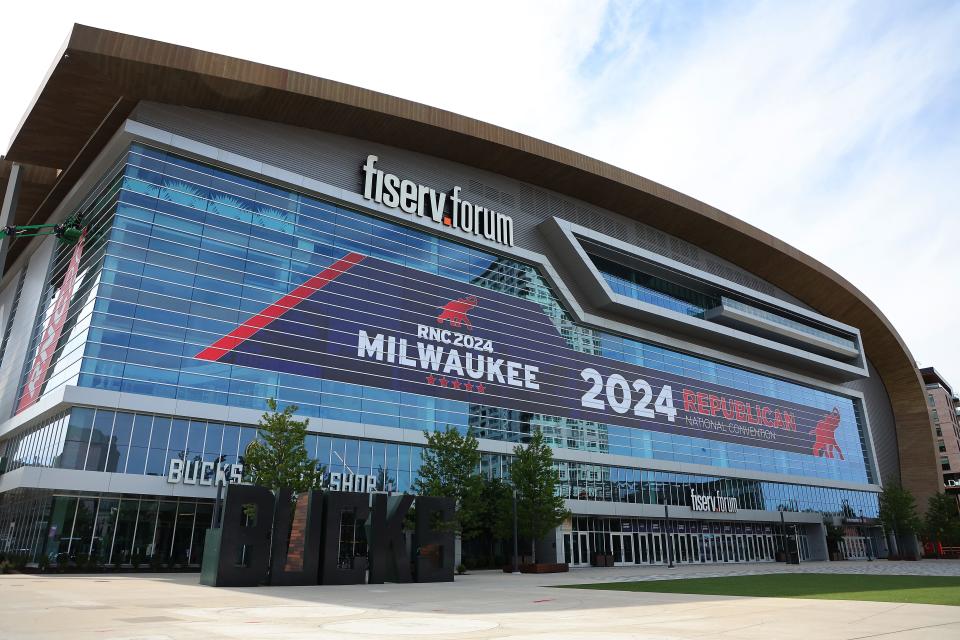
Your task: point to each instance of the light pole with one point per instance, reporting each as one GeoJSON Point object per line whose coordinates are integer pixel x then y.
{"type": "Point", "coordinates": [796, 540]}
{"type": "Point", "coordinates": [783, 536]}
{"type": "Point", "coordinates": [218, 504]}
{"type": "Point", "coordinates": [516, 568]}
{"type": "Point", "coordinates": [666, 529]}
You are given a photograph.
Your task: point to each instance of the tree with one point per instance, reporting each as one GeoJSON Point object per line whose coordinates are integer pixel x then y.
{"type": "Point", "coordinates": [898, 512]}
{"type": "Point", "coordinates": [278, 459]}
{"type": "Point", "coordinates": [494, 518]}
{"type": "Point", "coordinates": [539, 507]}
{"type": "Point", "coordinates": [498, 505]}
{"type": "Point", "coordinates": [941, 522]}
{"type": "Point", "coordinates": [449, 468]}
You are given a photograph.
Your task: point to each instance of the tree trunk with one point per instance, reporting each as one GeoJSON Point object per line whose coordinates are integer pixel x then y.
{"type": "Point", "coordinates": [533, 540]}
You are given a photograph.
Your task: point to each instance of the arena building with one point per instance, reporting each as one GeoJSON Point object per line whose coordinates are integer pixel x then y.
{"type": "Point", "coordinates": [236, 232]}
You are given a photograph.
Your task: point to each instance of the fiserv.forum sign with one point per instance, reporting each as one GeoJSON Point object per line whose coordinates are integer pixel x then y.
{"type": "Point", "coordinates": [448, 209]}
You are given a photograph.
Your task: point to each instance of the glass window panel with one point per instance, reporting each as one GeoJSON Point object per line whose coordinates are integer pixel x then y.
{"type": "Point", "coordinates": [231, 440]}
{"type": "Point", "coordinates": [158, 458]}
{"type": "Point", "coordinates": [120, 443]}
{"type": "Point", "coordinates": [77, 439]}
{"type": "Point", "coordinates": [139, 444]}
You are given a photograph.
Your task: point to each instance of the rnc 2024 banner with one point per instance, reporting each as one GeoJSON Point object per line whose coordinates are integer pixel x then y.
{"type": "Point", "coordinates": [367, 321]}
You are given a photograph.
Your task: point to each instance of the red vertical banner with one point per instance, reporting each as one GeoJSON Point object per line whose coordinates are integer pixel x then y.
{"type": "Point", "coordinates": [51, 332]}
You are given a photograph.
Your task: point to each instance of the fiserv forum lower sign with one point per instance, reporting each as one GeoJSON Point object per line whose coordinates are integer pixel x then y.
{"type": "Point", "coordinates": [367, 321]}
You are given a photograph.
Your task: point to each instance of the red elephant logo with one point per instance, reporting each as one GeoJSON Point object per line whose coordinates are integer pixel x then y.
{"type": "Point", "coordinates": [455, 312]}
{"type": "Point", "coordinates": [825, 434]}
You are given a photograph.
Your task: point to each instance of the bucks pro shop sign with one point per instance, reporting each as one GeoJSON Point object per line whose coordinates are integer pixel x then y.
{"type": "Point", "coordinates": [370, 322]}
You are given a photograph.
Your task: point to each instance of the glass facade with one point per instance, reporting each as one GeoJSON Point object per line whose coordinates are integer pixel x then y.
{"type": "Point", "coordinates": [791, 324]}
{"type": "Point", "coordinates": [653, 290]}
{"type": "Point", "coordinates": [87, 530]}
{"type": "Point", "coordinates": [12, 314]}
{"type": "Point", "coordinates": [143, 444]}
{"type": "Point", "coordinates": [662, 293]}
{"type": "Point", "coordinates": [177, 254]}
{"type": "Point", "coordinates": [120, 529]}
{"type": "Point", "coordinates": [180, 253]}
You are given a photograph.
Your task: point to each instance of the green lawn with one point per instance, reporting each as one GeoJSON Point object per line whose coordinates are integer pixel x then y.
{"type": "Point", "coordinates": [824, 586]}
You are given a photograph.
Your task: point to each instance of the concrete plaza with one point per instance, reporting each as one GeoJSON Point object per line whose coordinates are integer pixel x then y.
{"type": "Point", "coordinates": [482, 605]}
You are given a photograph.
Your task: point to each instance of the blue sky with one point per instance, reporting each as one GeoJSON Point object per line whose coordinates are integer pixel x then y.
{"type": "Point", "coordinates": [832, 125]}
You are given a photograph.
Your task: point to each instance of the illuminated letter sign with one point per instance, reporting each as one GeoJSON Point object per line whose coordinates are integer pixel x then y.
{"type": "Point", "coordinates": [425, 202]}
{"type": "Point", "coordinates": [204, 473]}
{"type": "Point", "coordinates": [715, 503]}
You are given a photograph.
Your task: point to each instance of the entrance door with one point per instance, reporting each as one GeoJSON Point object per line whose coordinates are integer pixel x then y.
{"type": "Point", "coordinates": [643, 553]}
{"type": "Point", "coordinates": [729, 549]}
{"type": "Point", "coordinates": [805, 550]}
{"type": "Point", "coordinates": [696, 547]}
{"type": "Point", "coordinates": [579, 549]}
{"type": "Point", "coordinates": [622, 545]}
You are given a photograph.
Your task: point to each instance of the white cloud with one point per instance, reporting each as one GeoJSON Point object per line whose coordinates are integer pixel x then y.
{"type": "Point", "coordinates": [833, 126]}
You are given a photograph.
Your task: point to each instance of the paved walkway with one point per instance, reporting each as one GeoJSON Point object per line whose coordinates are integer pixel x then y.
{"type": "Point", "coordinates": [483, 605]}
{"type": "Point", "coordinates": [950, 568]}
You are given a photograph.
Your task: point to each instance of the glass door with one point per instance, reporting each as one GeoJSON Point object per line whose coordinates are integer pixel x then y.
{"type": "Point", "coordinates": [805, 550]}
{"type": "Point", "coordinates": [581, 549]}
{"type": "Point", "coordinates": [729, 553]}
{"type": "Point", "coordinates": [622, 546]}
{"type": "Point", "coordinates": [643, 555]}
{"type": "Point", "coordinates": [659, 552]}
{"type": "Point", "coordinates": [684, 555]}
{"type": "Point", "coordinates": [741, 554]}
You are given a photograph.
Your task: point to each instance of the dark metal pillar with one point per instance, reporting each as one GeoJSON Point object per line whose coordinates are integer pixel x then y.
{"type": "Point", "coordinates": [8, 210]}
{"type": "Point", "coordinates": [516, 568]}
{"type": "Point", "coordinates": [669, 538]}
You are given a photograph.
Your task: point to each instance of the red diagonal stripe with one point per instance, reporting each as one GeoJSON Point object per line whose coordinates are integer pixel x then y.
{"type": "Point", "coordinates": [253, 324]}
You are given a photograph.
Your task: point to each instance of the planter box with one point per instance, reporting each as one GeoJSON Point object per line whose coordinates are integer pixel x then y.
{"type": "Point", "coordinates": [541, 567]}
